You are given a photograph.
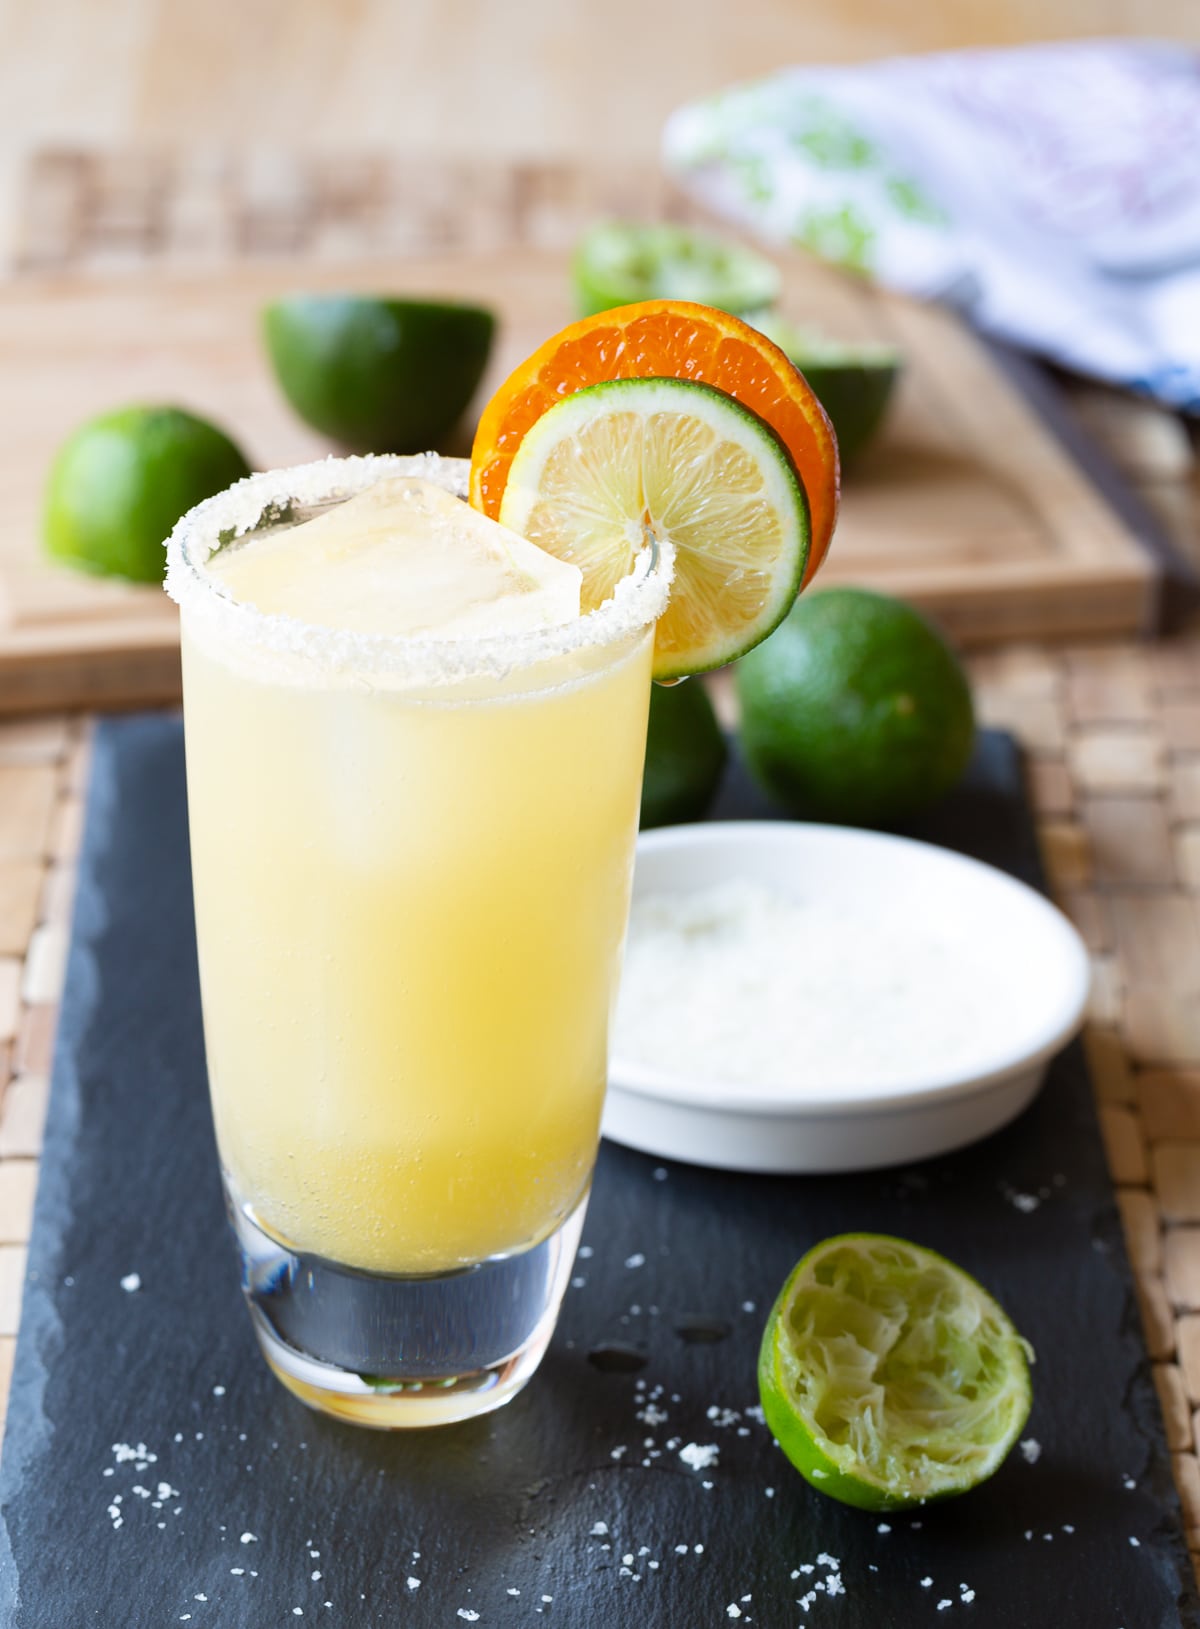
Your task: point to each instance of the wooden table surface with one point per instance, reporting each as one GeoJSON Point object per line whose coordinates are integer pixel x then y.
{"type": "Point", "coordinates": [1112, 733]}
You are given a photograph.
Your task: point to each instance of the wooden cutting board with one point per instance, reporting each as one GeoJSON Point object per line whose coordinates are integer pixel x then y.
{"type": "Point", "coordinates": [968, 506]}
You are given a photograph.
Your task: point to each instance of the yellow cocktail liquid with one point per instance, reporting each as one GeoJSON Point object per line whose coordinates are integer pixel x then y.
{"type": "Point", "coordinates": [410, 902]}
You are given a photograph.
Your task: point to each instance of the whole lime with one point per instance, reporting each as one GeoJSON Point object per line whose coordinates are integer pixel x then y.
{"type": "Point", "coordinates": [121, 481]}
{"type": "Point", "coordinates": [378, 374]}
{"type": "Point", "coordinates": [685, 755]}
{"type": "Point", "coordinates": [855, 710]}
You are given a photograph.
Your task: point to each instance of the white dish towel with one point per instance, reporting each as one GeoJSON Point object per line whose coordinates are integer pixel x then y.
{"type": "Point", "coordinates": [1052, 192]}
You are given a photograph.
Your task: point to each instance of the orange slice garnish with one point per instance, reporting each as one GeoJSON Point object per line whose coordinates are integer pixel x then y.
{"type": "Point", "coordinates": [665, 339]}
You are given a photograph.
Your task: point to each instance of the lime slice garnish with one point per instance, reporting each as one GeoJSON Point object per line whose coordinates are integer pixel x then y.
{"type": "Point", "coordinates": [619, 460]}
{"type": "Point", "coordinates": [619, 262]}
{"type": "Point", "coordinates": [889, 1376]}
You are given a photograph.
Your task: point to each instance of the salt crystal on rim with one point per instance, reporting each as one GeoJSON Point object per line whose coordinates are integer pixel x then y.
{"type": "Point", "coordinates": [637, 601]}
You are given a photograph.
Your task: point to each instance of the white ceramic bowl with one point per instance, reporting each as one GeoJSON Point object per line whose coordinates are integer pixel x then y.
{"type": "Point", "coordinates": [861, 1124]}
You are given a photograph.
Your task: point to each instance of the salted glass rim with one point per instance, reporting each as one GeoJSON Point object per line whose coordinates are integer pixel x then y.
{"type": "Point", "coordinates": [637, 601]}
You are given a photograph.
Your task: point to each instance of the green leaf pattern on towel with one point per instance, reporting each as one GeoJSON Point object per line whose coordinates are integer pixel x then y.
{"type": "Point", "coordinates": [843, 236]}
{"type": "Point", "coordinates": [801, 170]}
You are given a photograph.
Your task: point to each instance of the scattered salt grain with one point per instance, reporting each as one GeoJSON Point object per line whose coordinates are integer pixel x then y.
{"type": "Point", "coordinates": [943, 1605]}
{"type": "Point", "coordinates": [512, 1592]}
{"type": "Point", "coordinates": [218, 1391]}
{"type": "Point", "coordinates": [599, 1529]}
{"type": "Point", "coordinates": [734, 1610]}
{"type": "Point", "coordinates": [467, 1615]}
{"type": "Point", "coordinates": [1031, 1450]}
{"type": "Point", "coordinates": [636, 1260]}
{"type": "Point", "coordinates": [698, 1456]}
{"type": "Point", "coordinates": [249, 1538]}
{"type": "Point", "coordinates": [414, 1583]}
{"type": "Point", "coordinates": [883, 1528]}
{"type": "Point", "coordinates": [1137, 1543]}
{"type": "Point", "coordinates": [131, 1283]}
{"type": "Point", "coordinates": [926, 1583]}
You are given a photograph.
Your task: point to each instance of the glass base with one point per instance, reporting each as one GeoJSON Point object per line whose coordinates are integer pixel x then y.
{"type": "Point", "coordinates": [394, 1352]}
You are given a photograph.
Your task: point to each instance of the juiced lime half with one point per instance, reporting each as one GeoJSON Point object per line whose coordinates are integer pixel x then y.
{"type": "Point", "coordinates": [617, 462]}
{"type": "Point", "coordinates": [889, 1376]}
{"type": "Point", "coordinates": [618, 262]}
{"type": "Point", "coordinates": [854, 382]}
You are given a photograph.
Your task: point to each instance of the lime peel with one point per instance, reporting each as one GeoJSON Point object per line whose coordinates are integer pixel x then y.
{"type": "Point", "coordinates": [889, 1376]}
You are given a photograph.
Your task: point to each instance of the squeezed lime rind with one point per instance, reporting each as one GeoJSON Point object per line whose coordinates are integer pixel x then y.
{"type": "Point", "coordinates": [619, 262]}
{"type": "Point", "coordinates": [890, 1377]}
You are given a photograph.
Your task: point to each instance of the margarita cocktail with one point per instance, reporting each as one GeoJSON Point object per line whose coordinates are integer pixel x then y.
{"type": "Point", "coordinates": [413, 783]}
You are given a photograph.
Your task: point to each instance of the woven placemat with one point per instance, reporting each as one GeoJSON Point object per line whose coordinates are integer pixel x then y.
{"type": "Point", "coordinates": [1112, 731]}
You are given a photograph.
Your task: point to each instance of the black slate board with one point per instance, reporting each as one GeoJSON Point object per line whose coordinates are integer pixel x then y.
{"type": "Point", "coordinates": [1090, 1534]}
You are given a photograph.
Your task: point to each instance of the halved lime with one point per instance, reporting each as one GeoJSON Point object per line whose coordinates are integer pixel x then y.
{"type": "Point", "coordinates": [619, 262]}
{"type": "Point", "coordinates": [603, 468]}
{"type": "Point", "coordinates": [853, 381]}
{"type": "Point", "coordinates": [378, 374]}
{"type": "Point", "coordinates": [889, 1376]}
